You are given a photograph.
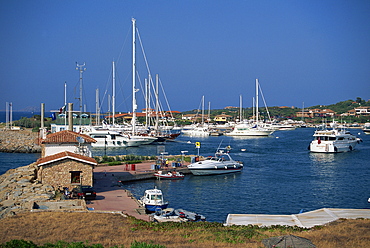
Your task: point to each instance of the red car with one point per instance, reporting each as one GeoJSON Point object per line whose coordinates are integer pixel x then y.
{"type": "Point", "coordinates": [84, 192]}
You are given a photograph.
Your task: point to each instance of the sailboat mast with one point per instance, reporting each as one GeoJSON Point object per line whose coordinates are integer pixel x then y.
{"type": "Point", "coordinates": [202, 110]}
{"type": "Point", "coordinates": [241, 108]}
{"type": "Point", "coordinates": [156, 102]}
{"type": "Point", "coordinates": [134, 106]}
{"type": "Point", "coordinates": [257, 100]}
{"type": "Point", "coordinates": [113, 92]}
{"type": "Point", "coordinates": [97, 107]}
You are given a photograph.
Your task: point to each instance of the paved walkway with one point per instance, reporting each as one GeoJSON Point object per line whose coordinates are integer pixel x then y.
{"type": "Point", "coordinates": [112, 197]}
{"type": "Point", "coordinates": [307, 220]}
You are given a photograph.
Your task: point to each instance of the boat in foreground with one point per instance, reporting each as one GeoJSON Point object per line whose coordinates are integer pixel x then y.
{"type": "Point", "coordinates": [178, 215]}
{"type": "Point", "coordinates": [333, 141]}
{"type": "Point", "coordinates": [169, 175]}
{"type": "Point", "coordinates": [153, 200]}
{"type": "Point", "coordinates": [220, 163]}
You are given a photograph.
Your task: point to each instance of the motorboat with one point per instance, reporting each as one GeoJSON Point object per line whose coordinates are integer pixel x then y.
{"type": "Point", "coordinates": [153, 200]}
{"type": "Point", "coordinates": [178, 215]}
{"type": "Point", "coordinates": [333, 141]}
{"type": "Point", "coordinates": [106, 138]}
{"type": "Point", "coordinates": [366, 128]}
{"type": "Point", "coordinates": [109, 138]}
{"type": "Point", "coordinates": [220, 163]}
{"type": "Point", "coordinates": [169, 175]}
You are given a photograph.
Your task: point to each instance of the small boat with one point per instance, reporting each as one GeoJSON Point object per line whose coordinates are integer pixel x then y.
{"type": "Point", "coordinates": [169, 175]}
{"type": "Point", "coordinates": [366, 128]}
{"type": "Point", "coordinates": [153, 200]}
{"type": "Point", "coordinates": [333, 141]}
{"type": "Point", "coordinates": [220, 163]}
{"type": "Point", "coordinates": [178, 215]}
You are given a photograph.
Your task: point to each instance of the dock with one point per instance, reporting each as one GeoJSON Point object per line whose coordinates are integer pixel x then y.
{"type": "Point", "coordinates": [306, 220]}
{"type": "Point", "coordinates": [112, 197]}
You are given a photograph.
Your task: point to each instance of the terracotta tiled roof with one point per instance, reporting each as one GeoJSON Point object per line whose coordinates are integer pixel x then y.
{"type": "Point", "coordinates": [64, 155]}
{"type": "Point", "coordinates": [66, 136]}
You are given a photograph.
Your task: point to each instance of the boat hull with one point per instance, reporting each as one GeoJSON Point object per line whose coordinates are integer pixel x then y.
{"type": "Point", "coordinates": [210, 171]}
{"type": "Point", "coordinates": [154, 208]}
{"type": "Point", "coordinates": [165, 176]}
{"type": "Point", "coordinates": [332, 147]}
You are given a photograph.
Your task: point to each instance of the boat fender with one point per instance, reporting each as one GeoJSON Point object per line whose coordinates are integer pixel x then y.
{"type": "Point", "coordinates": [235, 166]}
{"type": "Point", "coordinates": [225, 167]}
{"type": "Point", "coordinates": [309, 147]}
{"type": "Point", "coordinates": [350, 148]}
{"type": "Point", "coordinates": [215, 167]}
{"type": "Point", "coordinates": [335, 149]}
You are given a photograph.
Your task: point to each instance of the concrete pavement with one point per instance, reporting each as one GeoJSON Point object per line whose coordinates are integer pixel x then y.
{"type": "Point", "coordinates": [112, 197]}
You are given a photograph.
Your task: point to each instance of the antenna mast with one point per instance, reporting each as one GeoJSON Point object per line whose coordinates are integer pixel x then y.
{"type": "Point", "coordinates": [81, 69]}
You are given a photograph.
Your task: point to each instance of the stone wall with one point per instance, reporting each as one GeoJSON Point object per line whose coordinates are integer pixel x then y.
{"type": "Point", "coordinates": [22, 141]}
{"type": "Point", "coordinates": [58, 173]}
{"type": "Point", "coordinates": [19, 189]}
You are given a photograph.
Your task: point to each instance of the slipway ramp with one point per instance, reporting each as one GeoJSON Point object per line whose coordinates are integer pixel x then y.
{"type": "Point", "coordinates": [306, 220]}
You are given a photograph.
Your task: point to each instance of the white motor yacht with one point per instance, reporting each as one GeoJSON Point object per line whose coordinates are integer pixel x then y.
{"type": "Point", "coordinates": [333, 141]}
{"type": "Point", "coordinates": [221, 163]}
{"type": "Point", "coordinates": [244, 129]}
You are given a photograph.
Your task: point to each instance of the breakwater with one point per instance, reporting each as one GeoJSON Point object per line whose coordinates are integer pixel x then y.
{"type": "Point", "coordinates": [20, 141]}
{"type": "Point", "coordinates": [20, 189]}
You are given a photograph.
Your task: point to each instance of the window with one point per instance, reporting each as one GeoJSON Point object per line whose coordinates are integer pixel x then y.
{"type": "Point", "coordinates": [75, 176]}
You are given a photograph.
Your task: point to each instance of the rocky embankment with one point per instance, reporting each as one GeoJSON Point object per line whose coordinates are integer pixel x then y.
{"type": "Point", "coordinates": [19, 189]}
{"type": "Point", "coordinates": [22, 141]}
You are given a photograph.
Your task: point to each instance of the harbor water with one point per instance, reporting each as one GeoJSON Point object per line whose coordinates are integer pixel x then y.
{"type": "Point", "coordinates": [280, 175]}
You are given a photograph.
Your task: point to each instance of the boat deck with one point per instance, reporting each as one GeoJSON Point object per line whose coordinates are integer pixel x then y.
{"type": "Point", "coordinates": [306, 220]}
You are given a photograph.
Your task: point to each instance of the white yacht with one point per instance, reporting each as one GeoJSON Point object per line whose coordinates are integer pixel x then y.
{"type": "Point", "coordinates": [255, 129]}
{"type": "Point", "coordinates": [333, 141]}
{"type": "Point", "coordinates": [109, 138]}
{"type": "Point", "coordinates": [245, 129]}
{"type": "Point", "coordinates": [221, 163]}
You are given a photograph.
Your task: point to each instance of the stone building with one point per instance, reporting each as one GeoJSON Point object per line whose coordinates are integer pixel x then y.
{"type": "Point", "coordinates": [66, 169]}
{"type": "Point", "coordinates": [66, 160]}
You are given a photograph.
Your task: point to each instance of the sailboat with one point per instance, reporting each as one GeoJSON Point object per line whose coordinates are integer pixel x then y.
{"type": "Point", "coordinates": [254, 129]}
{"type": "Point", "coordinates": [198, 130]}
{"type": "Point", "coordinates": [147, 139]}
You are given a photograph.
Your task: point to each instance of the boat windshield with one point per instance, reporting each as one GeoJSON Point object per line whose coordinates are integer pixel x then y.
{"type": "Point", "coordinates": [156, 197]}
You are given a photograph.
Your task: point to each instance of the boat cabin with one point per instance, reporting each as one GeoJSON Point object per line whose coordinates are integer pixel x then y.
{"type": "Point", "coordinates": [153, 196]}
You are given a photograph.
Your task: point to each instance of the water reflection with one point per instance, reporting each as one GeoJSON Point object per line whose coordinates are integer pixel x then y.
{"type": "Point", "coordinates": [322, 158]}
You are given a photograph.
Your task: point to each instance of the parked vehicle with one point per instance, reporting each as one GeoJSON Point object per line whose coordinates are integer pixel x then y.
{"type": "Point", "coordinates": [84, 192]}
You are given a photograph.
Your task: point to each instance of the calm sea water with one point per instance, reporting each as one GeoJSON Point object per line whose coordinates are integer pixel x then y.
{"type": "Point", "coordinates": [280, 176]}
{"type": "Point", "coordinates": [16, 115]}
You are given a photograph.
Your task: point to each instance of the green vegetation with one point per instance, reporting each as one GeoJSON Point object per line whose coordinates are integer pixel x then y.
{"type": "Point", "coordinates": [127, 159]}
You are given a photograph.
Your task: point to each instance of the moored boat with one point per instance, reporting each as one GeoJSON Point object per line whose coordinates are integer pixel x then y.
{"type": "Point", "coordinates": [220, 163]}
{"type": "Point", "coordinates": [169, 175]}
{"type": "Point", "coordinates": [366, 128]}
{"type": "Point", "coordinates": [178, 215]}
{"type": "Point", "coordinates": [153, 200]}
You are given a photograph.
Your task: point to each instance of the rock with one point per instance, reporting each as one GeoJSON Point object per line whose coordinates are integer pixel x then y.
{"type": "Point", "coordinates": [19, 189]}
{"type": "Point", "coordinates": [23, 141]}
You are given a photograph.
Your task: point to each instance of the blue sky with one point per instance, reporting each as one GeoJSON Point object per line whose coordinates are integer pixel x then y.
{"type": "Point", "coordinates": [316, 52]}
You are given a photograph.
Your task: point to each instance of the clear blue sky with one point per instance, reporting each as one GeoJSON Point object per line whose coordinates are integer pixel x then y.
{"type": "Point", "coordinates": [316, 52]}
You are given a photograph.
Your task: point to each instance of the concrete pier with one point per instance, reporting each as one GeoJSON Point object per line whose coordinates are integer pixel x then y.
{"type": "Point", "coordinates": [112, 197]}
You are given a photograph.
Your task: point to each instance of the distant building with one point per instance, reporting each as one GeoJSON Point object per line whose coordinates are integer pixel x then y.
{"type": "Point", "coordinates": [359, 111]}
{"type": "Point", "coordinates": [222, 118]}
{"type": "Point", "coordinates": [312, 113]}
